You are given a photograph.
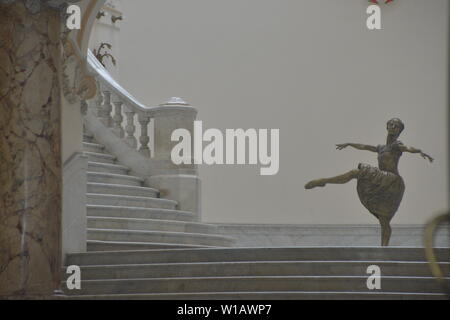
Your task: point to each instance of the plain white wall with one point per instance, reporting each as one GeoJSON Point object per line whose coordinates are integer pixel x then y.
{"type": "Point", "coordinates": [106, 31]}
{"type": "Point", "coordinates": [313, 70]}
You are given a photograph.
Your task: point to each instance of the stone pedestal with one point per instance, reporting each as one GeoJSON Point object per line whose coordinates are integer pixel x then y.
{"type": "Point", "coordinates": [183, 188]}
{"type": "Point", "coordinates": [30, 157]}
{"type": "Point", "coordinates": [176, 182]}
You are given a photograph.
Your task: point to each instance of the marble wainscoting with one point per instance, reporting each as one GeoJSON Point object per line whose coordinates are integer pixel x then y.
{"type": "Point", "coordinates": [30, 157]}
{"type": "Point", "coordinates": [74, 219]}
{"type": "Point", "coordinates": [272, 235]}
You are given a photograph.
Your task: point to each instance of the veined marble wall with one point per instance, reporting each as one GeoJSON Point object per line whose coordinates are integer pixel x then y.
{"type": "Point", "coordinates": [30, 157]}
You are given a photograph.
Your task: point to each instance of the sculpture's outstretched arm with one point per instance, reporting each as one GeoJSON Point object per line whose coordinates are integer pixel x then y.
{"type": "Point", "coordinates": [356, 146]}
{"type": "Point", "coordinates": [404, 148]}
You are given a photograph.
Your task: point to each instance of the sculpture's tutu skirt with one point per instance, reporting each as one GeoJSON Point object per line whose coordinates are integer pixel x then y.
{"type": "Point", "coordinates": [380, 191]}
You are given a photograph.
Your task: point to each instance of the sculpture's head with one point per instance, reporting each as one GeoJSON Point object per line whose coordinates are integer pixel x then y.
{"type": "Point", "coordinates": [395, 126]}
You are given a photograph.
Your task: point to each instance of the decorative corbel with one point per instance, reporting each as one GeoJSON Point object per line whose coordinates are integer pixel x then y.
{"type": "Point", "coordinates": [77, 83]}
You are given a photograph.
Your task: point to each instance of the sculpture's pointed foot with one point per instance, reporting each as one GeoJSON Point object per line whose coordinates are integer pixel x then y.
{"type": "Point", "coordinates": [315, 183]}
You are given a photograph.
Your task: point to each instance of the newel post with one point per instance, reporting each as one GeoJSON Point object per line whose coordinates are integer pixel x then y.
{"type": "Point", "coordinates": [176, 182]}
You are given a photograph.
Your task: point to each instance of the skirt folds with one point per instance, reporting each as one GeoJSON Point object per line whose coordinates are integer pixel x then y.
{"type": "Point", "coordinates": [379, 191]}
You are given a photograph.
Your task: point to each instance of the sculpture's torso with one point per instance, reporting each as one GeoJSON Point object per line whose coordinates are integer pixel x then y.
{"type": "Point", "coordinates": [388, 157]}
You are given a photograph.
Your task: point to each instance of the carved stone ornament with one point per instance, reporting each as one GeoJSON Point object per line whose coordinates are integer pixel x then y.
{"type": "Point", "coordinates": [76, 83]}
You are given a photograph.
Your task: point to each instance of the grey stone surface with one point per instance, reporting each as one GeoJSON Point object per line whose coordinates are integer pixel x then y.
{"type": "Point", "coordinates": [74, 204]}
{"type": "Point", "coordinates": [158, 237]}
{"type": "Point", "coordinates": [130, 201]}
{"type": "Point", "coordinates": [260, 235]}
{"type": "Point", "coordinates": [256, 254]}
{"type": "Point", "coordinates": [182, 188]}
{"type": "Point", "coordinates": [107, 168]}
{"type": "Point", "coordinates": [286, 295]}
{"type": "Point", "coordinates": [107, 188]}
{"type": "Point", "coordinates": [139, 213]}
{"type": "Point", "coordinates": [100, 157]}
{"type": "Point", "coordinates": [255, 268]}
{"type": "Point", "coordinates": [150, 225]}
{"type": "Point", "coordinates": [113, 178]}
{"type": "Point", "coordinates": [93, 147]}
{"type": "Point", "coordinates": [240, 273]}
{"type": "Point", "coordinates": [97, 245]}
{"type": "Point", "coordinates": [255, 284]}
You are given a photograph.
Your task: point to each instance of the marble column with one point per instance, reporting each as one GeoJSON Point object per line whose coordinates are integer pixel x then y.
{"type": "Point", "coordinates": [30, 157]}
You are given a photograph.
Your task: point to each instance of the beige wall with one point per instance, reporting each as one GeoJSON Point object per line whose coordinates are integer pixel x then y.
{"type": "Point", "coordinates": [313, 70]}
{"type": "Point", "coordinates": [106, 31]}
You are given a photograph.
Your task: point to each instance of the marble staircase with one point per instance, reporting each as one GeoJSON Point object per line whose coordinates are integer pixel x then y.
{"type": "Point", "coordinates": [145, 238]}
{"type": "Point", "coordinates": [257, 273]}
{"type": "Point", "coordinates": [122, 214]}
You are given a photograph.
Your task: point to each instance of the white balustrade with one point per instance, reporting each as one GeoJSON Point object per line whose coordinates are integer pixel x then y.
{"type": "Point", "coordinates": [113, 118]}
{"type": "Point", "coordinates": [130, 128]}
{"type": "Point", "coordinates": [117, 119]}
{"type": "Point", "coordinates": [144, 139]}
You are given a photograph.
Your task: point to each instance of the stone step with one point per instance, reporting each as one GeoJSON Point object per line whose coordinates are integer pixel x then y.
{"type": "Point", "coordinates": [87, 137]}
{"type": "Point", "coordinates": [93, 147]}
{"type": "Point", "coordinates": [149, 225]}
{"type": "Point", "coordinates": [116, 200]}
{"type": "Point", "coordinates": [260, 268]}
{"type": "Point", "coordinates": [111, 178]}
{"type": "Point", "coordinates": [158, 237]}
{"type": "Point", "coordinates": [267, 295]}
{"type": "Point", "coordinates": [257, 284]}
{"type": "Point", "coordinates": [257, 254]}
{"type": "Point", "coordinates": [96, 245]}
{"type": "Point", "coordinates": [100, 157]}
{"type": "Point", "coordinates": [107, 168]}
{"type": "Point", "coordinates": [139, 213]}
{"type": "Point", "coordinates": [123, 190]}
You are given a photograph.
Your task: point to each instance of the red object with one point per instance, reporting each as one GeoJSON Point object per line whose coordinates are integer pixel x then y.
{"type": "Point", "coordinates": [376, 1]}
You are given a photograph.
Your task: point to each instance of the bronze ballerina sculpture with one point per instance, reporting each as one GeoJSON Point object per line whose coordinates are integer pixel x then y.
{"type": "Point", "coordinates": [380, 189]}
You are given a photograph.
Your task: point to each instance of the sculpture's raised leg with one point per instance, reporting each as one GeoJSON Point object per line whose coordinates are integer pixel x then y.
{"type": "Point", "coordinates": [340, 179]}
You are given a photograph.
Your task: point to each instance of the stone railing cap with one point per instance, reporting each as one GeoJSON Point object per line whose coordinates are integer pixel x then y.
{"type": "Point", "coordinates": [175, 101]}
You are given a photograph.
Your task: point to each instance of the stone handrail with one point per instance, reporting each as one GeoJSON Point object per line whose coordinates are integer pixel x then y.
{"type": "Point", "coordinates": [119, 111]}
{"type": "Point", "coordinates": [113, 116]}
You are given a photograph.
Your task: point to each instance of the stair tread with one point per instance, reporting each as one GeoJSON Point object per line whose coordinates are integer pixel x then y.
{"type": "Point", "coordinates": [110, 207]}
{"type": "Point", "coordinates": [149, 243]}
{"type": "Point", "coordinates": [126, 197]}
{"type": "Point", "coordinates": [265, 295]}
{"type": "Point", "coordinates": [252, 268]}
{"type": "Point", "coordinates": [102, 155]}
{"type": "Point", "coordinates": [258, 254]}
{"type": "Point", "coordinates": [93, 144]}
{"type": "Point", "coordinates": [115, 185]}
{"type": "Point", "coordinates": [109, 165]}
{"type": "Point", "coordinates": [149, 220]}
{"type": "Point", "coordinates": [140, 212]}
{"type": "Point", "coordinates": [232, 263]}
{"type": "Point", "coordinates": [115, 175]}
{"type": "Point", "coordinates": [169, 233]}
{"type": "Point", "coordinates": [259, 283]}
{"type": "Point", "coordinates": [275, 277]}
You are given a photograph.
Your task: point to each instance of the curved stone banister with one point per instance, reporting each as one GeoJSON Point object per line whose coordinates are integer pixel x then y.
{"type": "Point", "coordinates": [140, 136]}
{"type": "Point", "coordinates": [105, 78]}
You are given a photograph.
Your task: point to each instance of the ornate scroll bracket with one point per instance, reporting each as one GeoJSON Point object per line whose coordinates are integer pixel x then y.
{"type": "Point", "coordinates": [77, 83]}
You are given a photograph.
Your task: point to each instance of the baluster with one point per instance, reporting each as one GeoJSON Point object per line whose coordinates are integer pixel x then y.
{"type": "Point", "coordinates": [144, 139]}
{"type": "Point", "coordinates": [107, 108]}
{"type": "Point", "coordinates": [83, 107]}
{"type": "Point", "coordinates": [98, 104]}
{"type": "Point", "coordinates": [130, 128]}
{"type": "Point", "coordinates": [118, 118]}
